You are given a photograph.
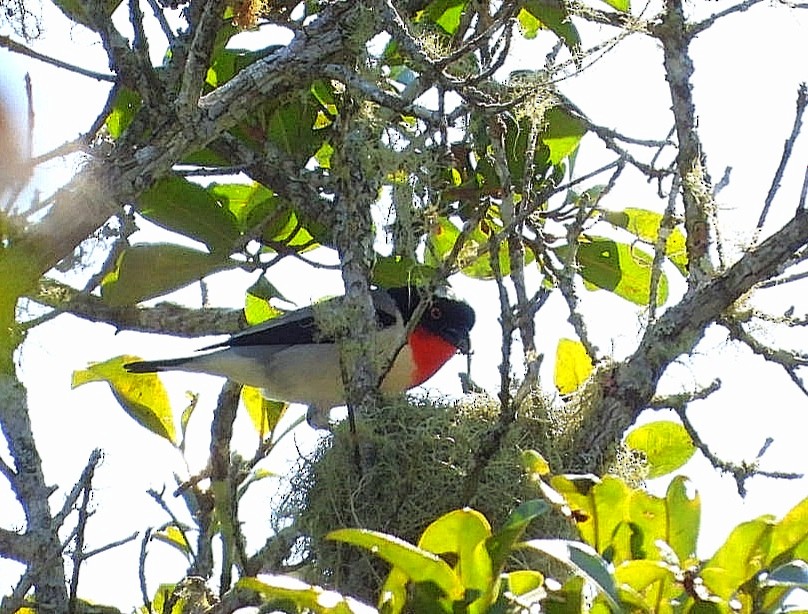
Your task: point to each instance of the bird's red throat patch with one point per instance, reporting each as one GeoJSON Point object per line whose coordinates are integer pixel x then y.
{"type": "Point", "coordinates": [429, 353]}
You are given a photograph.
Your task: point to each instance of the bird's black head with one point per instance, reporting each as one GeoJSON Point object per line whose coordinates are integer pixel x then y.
{"type": "Point", "coordinates": [448, 318]}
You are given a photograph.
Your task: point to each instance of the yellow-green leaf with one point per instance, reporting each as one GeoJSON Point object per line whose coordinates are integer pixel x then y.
{"type": "Point", "coordinates": [149, 270]}
{"type": "Point", "coordinates": [263, 412]}
{"type": "Point", "coordinates": [418, 564]}
{"type": "Point", "coordinates": [644, 225]}
{"type": "Point", "coordinates": [534, 463]}
{"type": "Point", "coordinates": [173, 537]}
{"type": "Point", "coordinates": [306, 597]}
{"type": "Point", "coordinates": [573, 366]}
{"type": "Point", "coordinates": [620, 268]}
{"type": "Point", "coordinates": [665, 444]}
{"type": "Point", "coordinates": [142, 396]}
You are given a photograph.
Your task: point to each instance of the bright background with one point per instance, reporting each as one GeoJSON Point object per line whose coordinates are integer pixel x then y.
{"type": "Point", "coordinates": [748, 68]}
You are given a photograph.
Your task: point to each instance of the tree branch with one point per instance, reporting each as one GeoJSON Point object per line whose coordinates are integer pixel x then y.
{"type": "Point", "coordinates": [629, 386]}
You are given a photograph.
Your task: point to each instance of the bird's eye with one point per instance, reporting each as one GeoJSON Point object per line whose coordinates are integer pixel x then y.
{"type": "Point", "coordinates": [435, 312]}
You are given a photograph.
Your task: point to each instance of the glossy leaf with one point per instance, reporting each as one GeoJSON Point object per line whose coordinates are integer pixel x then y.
{"type": "Point", "coordinates": [142, 396]}
{"type": "Point", "coordinates": [149, 270]}
{"type": "Point", "coordinates": [645, 582]}
{"type": "Point", "coordinates": [622, 269]}
{"type": "Point", "coordinates": [523, 581]}
{"type": "Point", "coordinates": [503, 541]}
{"type": "Point", "coordinates": [189, 209]}
{"type": "Point", "coordinates": [534, 463]}
{"type": "Point", "coordinates": [644, 225]}
{"type": "Point", "coordinates": [793, 573]}
{"type": "Point", "coordinates": [599, 508]}
{"type": "Point", "coordinates": [739, 558]}
{"type": "Point", "coordinates": [264, 413]}
{"type": "Point", "coordinates": [76, 10]}
{"type": "Point", "coordinates": [444, 13]}
{"type": "Point", "coordinates": [791, 532]}
{"type": "Point", "coordinates": [621, 5]}
{"type": "Point", "coordinates": [463, 533]}
{"type": "Point", "coordinates": [283, 590]}
{"type": "Point", "coordinates": [285, 229]}
{"type": "Point", "coordinates": [293, 127]}
{"type": "Point", "coordinates": [553, 15]}
{"type": "Point", "coordinates": [249, 204]}
{"type": "Point", "coordinates": [583, 561]}
{"type": "Point", "coordinates": [417, 564]}
{"type": "Point", "coordinates": [684, 517]}
{"type": "Point", "coordinates": [226, 63]}
{"type": "Point", "coordinates": [257, 307]}
{"type": "Point", "coordinates": [573, 366]}
{"type": "Point", "coordinates": [393, 271]}
{"type": "Point", "coordinates": [562, 134]}
{"type": "Point", "coordinates": [172, 536]}
{"type": "Point", "coordinates": [665, 444]}
{"type": "Point", "coordinates": [123, 110]}
{"type": "Point", "coordinates": [474, 258]}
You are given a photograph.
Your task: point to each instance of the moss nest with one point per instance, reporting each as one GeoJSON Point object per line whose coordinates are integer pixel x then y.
{"type": "Point", "coordinates": [410, 462]}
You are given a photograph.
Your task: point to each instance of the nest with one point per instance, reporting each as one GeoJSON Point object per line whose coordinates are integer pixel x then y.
{"type": "Point", "coordinates": [410, 462]}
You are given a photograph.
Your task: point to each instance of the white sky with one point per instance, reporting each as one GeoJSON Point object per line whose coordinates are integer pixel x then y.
{"type": "Point", "coordinates": [747, 72]}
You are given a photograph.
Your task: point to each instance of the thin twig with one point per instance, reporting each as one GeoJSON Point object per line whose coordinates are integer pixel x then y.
{"type": "Point", "coordinates": [802, 102]}
{"type": "Point", "coordinates": [16, 47]}
{"type": "Point", "coordinates": [141, 571]}
{"type": "Point", "coordinates": [81, 527]}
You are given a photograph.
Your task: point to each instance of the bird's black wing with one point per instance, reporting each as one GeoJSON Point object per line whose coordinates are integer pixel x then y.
{"type": "Point", "coordinates": [299, 327]}
{"type": "Point", "coordinates": [295, 328]}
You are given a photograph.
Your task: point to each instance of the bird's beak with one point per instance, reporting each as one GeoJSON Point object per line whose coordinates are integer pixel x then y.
{"type": "Point", "coordinates": [459, 339]}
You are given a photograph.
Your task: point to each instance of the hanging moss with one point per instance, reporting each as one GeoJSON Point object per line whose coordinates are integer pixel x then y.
{"type": "Point", "coordinates": [408, 464]}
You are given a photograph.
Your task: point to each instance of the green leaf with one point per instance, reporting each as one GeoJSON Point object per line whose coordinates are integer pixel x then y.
{"type": "Point", "coordinates": [124, 108]}
{"type": "Point", "coordinates": [739, 558]}
{"type": "Point", "coordinates": [621, 5]}
{"type": "Point", "coordinates": [584, 561]}
{"type": "Point", "coordinates": [190, 210]}
{"type": "Point", "coordinates": [283, 591]}
{"type": "Point", "coordinates": [502, 542]}
{"type": "Point", "coordinates": [684, 516]}
{"type": "Point", "coordinates": [172, 536]}
{"type": "Point", "coordinates": [553, 15]}
{"type": "Point", "coordinates": [142, 396]}
{"type": "Point", "coordinates": [622, 269]}
{"type": "Point", "coordinates": [417, 564]}
{"type": "Point", "coordinates": [644, 225]}
{"type": "Point", "coordinates": [149, 270]}
{"type": "Point", "coordinates": [444, 13]}
{"type": "Point", "coordinates": [225, 63]}
{"type": "Point", "coordinates": [76, 10]}
{"type": "Point", "coordinates": [264, 413]}
{"type": "Point", "coordinates": [791, 532]}
{"type": "Point", "coordinates": [393, 271]}
{"type": "Point", "coordinates": [524, 581]}
{"type": "Point", "coordinates": [473, 259]}
{"type": "Point", "coordinates": [641, 574]}
{"type": "Point", "coordinates": [249, 204]}
{"type": "Point", "coordinates": [257, 307]}
{"type": "Point", "coordinates": [649, 515]}
{"type": "Point", "coordinates": [665, 444]}
{"type": "Point", "coordinates": [463, 533]}
{"type": "Point", "coordinates": [185, 418]}
{"type": "Point", "coordinates": [573, 366]}
{"type": "Point", "coordinates": [293, 127]}
{"type": "Point", "coordinates": [534, 463]}
{"type": "Point", "coordinates": [562, 134]}
{"type": "Point", "coordinates": [600, 509]}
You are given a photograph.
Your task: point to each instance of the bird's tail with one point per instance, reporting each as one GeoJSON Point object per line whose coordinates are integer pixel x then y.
{"type": "Point", "coordinates": [154, 366]}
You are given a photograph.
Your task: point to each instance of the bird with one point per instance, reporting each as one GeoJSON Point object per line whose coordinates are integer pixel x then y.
{"type": "Point", "coordinates": [294, 359]}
